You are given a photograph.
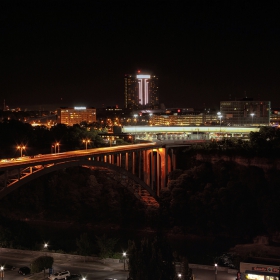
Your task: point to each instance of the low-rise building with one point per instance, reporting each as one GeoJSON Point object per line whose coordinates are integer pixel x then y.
{"type": "Point", "coordinates": [76, 115]}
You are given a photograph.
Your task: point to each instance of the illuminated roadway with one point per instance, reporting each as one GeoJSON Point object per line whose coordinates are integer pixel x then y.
{"type": "Point", "coordinates": [17, 172]}
{"type": "Point", "coordinates": [79, 154]}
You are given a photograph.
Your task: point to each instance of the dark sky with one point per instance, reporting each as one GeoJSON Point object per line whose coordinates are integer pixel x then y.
{"type": "Point", "coordinates": [66, 53]}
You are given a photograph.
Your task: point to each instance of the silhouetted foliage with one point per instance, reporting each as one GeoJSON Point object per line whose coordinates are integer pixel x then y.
{"type": "Point", "coordinates": [41, 263]}
{"type": "Point", "coordinates": [151, 259]}
{"type": "Point", "coordinates": [84, 245]}
{"type": "Point", "coordinates": [17, 234]}
{"type": "Point", "coordinates": [40, 139]}
{"type": "Point", "coordinates": [106, 246]}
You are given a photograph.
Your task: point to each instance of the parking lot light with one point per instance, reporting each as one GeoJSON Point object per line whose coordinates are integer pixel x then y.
{"type": "Point", "coordinates": [2, 272]}
{"type": "Point", "coordinates": [216, 271]}
{"type": "Point", "coordinates": [124, 259]}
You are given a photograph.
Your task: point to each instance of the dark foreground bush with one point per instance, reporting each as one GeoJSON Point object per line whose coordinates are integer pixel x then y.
{"type": "Point", "coordinates": [41, 263]}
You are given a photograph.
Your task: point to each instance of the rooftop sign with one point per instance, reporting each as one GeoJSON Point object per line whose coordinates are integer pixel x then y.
{"type": "Point", "coordinates": [80, 108]}
{"type": "Point", "coordinates": [143, 76]}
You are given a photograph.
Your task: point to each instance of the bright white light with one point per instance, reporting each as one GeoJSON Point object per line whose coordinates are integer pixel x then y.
{"type": "Point", "coordinates": [143, 76]}
{"type": "Point", "coordinates": [80, 108]}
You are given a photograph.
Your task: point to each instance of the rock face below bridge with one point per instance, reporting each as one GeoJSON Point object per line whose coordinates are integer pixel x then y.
{"type": "Point", "coordinates": [264, 163]}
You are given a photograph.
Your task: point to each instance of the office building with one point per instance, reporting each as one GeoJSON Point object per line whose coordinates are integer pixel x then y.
{"type": "Point", "coordinates": [245, 112]}
{"type": "Point", "coordinates": [187, 119]}
{"type": "Point", "coordinates": [141, 91]}
{"type": "Point", "coordinates": [76, 115]}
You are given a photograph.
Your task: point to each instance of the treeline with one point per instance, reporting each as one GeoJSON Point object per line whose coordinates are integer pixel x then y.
{"type": "Point", "coordinates": [223, 199]}
{"type": "Point", "coordinates": [75, 194]}
{"type": "Point", "coordinates": [265, 143]}
{"type": "Point", "coordinates": [40, 139]}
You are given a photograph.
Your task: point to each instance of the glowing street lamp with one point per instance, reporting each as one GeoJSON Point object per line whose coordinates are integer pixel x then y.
{"type": "Point", "coordinates": [124, 259]}
{"type": "Point", "coordinates": [216, 271]}
{"type": "Point", "coordinates": [86, 141]}
{"type": "Point", "coordinates": [2, 272]}
{"type": "Point", "coordinates": [252, 115]}
{"type": "Point", "coordinates": [220, 117]}
{"type": "Point", "coordinates": [21, 147]}
{"type": "Point", "coordinates": [56, 145]}
{"type": "Point", "coordinates": [179, 275]}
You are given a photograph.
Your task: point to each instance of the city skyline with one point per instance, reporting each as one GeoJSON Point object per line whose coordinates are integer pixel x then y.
{"type": "Point", "coordinates": [71, 53]}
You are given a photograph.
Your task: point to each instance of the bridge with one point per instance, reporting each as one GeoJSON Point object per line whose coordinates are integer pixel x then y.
{"type": "Point", "coordinates": [143, 168]}
{"type": "Point", "coordinates": [188, 132]}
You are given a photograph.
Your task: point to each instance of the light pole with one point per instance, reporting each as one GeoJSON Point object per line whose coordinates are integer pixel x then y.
{"type": "Point", "coordinates": [252, 115]}
{"type": "Point", "coordinates": [124, 258]}
{"type": "Point", "coordinates": [86, 141]}
{"type": "Point", "coordinates": [216, 271]}
{"type": "Point", "coordinates": [2, 272]}
{"type": "Point", "coordinates": [220, 117]}
{"type": "Point", "coordinates": [179, 275]}
{"type": "Point", "coordinates": [56, 145]}
{"type": "Point", "coordinates": [21, 147]}
{"type": "Point", "coordinates": [46, 248]}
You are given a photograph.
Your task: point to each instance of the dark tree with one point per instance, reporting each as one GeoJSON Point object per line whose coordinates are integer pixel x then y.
{"type": "Point", "coordinates": [84, 245]}
{"type": "Point", "coordinates": [151, 260]}
{"type": "Point", "coordinates": [41, 263]}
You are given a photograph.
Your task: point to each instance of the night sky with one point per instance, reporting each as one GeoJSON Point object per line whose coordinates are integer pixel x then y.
{"type": "Point", "coordinates": [66, 53]}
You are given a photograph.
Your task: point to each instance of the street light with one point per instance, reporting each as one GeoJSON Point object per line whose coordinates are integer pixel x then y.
{"type": "Point", "coordinates": [252, 115]}
{"type": "Point", "coordinates": [124, 258]}
{"type": "Point", "coordinates": [216, 271]}
{"type": "Point", "coordinates": [220, 117]}
{"type": "Point", "coordinates": [86, 141]}
{"type": "Point", "coordinates": [2, 272]}
{"type": "Point", "coordinates": [56, 145]}
{"type": "Point", "coordinates": [179, 275]}
{"type": "Point", "coordinates": [46, 248]}
{"type": "Point", "coordinates": [21, 147]}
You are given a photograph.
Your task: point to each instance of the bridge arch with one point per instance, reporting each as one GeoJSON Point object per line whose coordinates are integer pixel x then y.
{"type": "Point", "coordinates": [28, 176]}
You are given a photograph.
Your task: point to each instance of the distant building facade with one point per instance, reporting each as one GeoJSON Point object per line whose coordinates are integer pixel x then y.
{"type": "Point", "coordinates": [183, 117]}
{"type": "Point", "coordinates": [188, 119]}
{"type": "Point", "coordinates": [245, 112]}
{"type": "Point", "coordinates": [141, 91]}
{"type": "Point", "coordinates": [76, 115]}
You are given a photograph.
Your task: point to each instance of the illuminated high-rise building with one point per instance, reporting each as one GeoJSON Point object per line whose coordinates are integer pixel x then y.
{"type": "Point", "coordinates": [141, 91]}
